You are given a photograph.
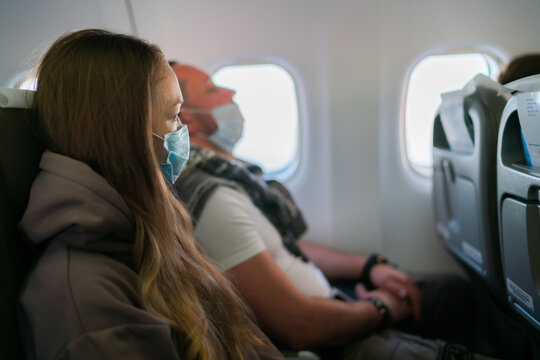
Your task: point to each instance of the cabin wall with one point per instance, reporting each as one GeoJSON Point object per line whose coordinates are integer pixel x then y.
{"type": "Point", "coordinates": [29, 26]}
{"type": "Point", "coordinates": [499, 27]}
{"type": "Point", "coordinates": [338, 193]}
{"type": "Point", "coordinates": [350, 61]}
{"type": "Point", "coordinates": [290, 34]}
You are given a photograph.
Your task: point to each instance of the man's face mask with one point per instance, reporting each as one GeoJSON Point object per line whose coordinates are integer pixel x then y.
{"type": "Point", "coordinates": [177, 145]}
{"type": "Point", "coordinates": [230, 125]}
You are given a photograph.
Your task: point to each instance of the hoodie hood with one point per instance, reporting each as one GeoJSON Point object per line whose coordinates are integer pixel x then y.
{"type": "Point", "coordinates": [71, 203]}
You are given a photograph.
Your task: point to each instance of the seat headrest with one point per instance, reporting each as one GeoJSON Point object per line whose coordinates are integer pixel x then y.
{"type": "Point", "coordinates": [526, 84]}
{"type": "Point", "coordinates": [480, 81]}
{"type": "Point", "coordinates": [16, 98]}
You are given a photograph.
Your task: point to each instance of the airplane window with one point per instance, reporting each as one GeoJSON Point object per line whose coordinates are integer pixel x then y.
{"type": "Point", "coordinates": [266, 95]}
{"type": "Point", "coordinates": [432, 76]}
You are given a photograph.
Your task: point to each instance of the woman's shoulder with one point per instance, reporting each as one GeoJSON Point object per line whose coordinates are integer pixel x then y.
{"type": "Point", "coordinates": [80, 280]}
{"type": "Point", "coordinates": [72, 293]}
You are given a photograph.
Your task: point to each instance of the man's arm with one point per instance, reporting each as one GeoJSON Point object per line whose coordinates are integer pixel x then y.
{"type": "Point", "coordinates": [334, 264]}
{"type": "Point", "coordinates": [299, 321]}
{"type": "Point", "coordinates": [340, 265]}
{"type": "Point", "coordinates": [239, 238]}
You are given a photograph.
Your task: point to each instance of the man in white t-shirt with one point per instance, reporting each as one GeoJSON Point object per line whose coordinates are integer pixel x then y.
{"type": "Point", "coordinates": [250, 229]}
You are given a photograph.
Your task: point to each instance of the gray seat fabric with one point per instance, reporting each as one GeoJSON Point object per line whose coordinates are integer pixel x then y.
{"type": "Point", "coordinates": [20, 153]}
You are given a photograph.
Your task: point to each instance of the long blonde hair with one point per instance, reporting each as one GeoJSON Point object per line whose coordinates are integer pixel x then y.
{"type": "Point", "coordinates": [94, 100]}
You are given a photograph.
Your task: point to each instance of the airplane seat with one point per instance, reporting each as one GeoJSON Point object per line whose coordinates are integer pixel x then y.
{"type": "Point", "coordinates": [20, 153]}
{"type": "Point", "coordinates": [518, 198]}
{"type": "Point", "coordinates": [464, 172]}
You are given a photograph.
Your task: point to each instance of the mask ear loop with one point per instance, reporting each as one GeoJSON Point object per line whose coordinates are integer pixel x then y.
{"type": "Point", "coordinates": [159, 137]}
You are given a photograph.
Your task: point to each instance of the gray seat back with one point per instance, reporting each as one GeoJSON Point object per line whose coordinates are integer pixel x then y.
{"type": "Point", "coordinates": [518, 204]}
{"type": "Point", "coordinates": [464, 187]}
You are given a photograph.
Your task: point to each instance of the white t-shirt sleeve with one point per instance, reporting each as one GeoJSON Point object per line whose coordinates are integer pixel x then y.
{"type": "Point", "coordinates": [233, 230]}
{"type": "Point", "coordinates": [227, 230]}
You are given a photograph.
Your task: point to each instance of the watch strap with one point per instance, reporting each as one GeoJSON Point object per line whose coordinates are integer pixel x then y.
{"type": "Point", "coordinates": [373, 260]}
{"type": "Point", "coordinates": [381, 308]}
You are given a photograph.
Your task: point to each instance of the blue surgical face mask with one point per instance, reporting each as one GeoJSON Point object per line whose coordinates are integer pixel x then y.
{"type": "Point", "coordinates": [230, 125]}
{"type": "Point", "coordinates": [177, 145]}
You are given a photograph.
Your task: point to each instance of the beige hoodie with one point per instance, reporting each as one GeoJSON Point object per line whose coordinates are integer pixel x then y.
{"type": "Point", "coordinates": [81, 299]}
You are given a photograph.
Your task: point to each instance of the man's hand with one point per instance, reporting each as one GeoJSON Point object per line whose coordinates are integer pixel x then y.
{"type": "Point", "coordinates": [399, 284]}
{"type": "Point", "coordinates": [400, 309]}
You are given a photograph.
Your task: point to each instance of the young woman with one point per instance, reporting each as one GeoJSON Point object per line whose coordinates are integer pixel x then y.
{"type": "Point", "coordinates": [121, 276]}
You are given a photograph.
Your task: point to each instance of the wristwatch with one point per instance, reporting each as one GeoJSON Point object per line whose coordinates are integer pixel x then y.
{"type": "Point", "coordinates": [382, 308]}
{"type": "Point", "coordinates": [373, 260]}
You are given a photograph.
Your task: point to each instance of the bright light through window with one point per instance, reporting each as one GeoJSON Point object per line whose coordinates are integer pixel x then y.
{"type": "Point", "coordinates": [266, 96]}
{"type": "Point", "coordinates": [431, 77]}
